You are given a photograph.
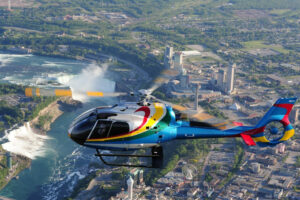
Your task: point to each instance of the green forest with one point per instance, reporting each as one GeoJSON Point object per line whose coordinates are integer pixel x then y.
{"type": "Point", "coordinates": [11, 115]}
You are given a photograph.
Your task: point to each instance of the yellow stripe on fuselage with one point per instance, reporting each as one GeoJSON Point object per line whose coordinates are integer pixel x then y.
{"type": "Point", "coordinates": [159, 111]}
{"type": "Point", "coordinates": [260, 139]}
{"type": "Point", "coordinates": [287, 135]}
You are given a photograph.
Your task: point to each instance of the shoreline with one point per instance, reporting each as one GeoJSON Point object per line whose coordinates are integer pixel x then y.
{"type": "Point", "coordinates": [51, 110]}
{"type": "Point", "coordinates": [89, 59]}
{"type": "Point", "coordinates": [55, 110]}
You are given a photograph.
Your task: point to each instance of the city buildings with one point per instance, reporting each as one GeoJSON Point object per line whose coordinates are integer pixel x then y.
{"type": "Point", "coordinates": [174, 60]}
{"type": "Point", "coordinates": [221, 81]}
{"type": "Point", "coordinates": [178, 61]}
{"type": "Point", "coordinates": [168, 58]}
{"type": "Point", "coordinates": [184, 81]}
{"type": "Point", "coordinates": [230, 78]}
{"type": "Point", "coordinates": [224, 79]}
{"type": "Point", "coordinates": [295, 115]}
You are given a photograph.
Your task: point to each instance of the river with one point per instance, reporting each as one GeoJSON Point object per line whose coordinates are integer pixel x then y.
{"type": "Point", "coordinates": [53, 174]}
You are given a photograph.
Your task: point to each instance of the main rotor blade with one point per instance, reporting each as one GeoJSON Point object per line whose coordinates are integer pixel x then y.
{"type": "Point", "coordinates": [174, 106]}
{"type": "Point", "coordinates": [67, 92]}
{"type": "Point", "coordinates": [163, 78]}
{"type": "Point", "coordinates": [29, 92]}
{"type": "Point", "coordinates": [195, 116]}
{"type": "Point", "coordinates": [105, 94]}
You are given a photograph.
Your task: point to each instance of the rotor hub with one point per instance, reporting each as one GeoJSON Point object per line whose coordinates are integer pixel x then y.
{"type": "Point", "coordinates": [274, 130]}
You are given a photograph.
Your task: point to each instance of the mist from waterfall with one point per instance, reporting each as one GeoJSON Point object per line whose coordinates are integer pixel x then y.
{"type": "Point", "coordinates": [24, 141]}
{"type": "Point", "coordinates": [91, 78]}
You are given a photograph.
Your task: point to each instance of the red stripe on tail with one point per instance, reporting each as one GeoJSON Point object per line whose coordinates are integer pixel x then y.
{"type": "Point", "coordinates": [248, 140]}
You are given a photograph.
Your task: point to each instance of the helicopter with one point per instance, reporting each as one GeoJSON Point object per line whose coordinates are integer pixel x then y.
{"type": "Point", "coordinates": [150, 122]}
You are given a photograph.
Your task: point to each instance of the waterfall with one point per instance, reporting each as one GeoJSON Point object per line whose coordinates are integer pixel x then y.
{"type": "Point", "coordinates": [23, 141]}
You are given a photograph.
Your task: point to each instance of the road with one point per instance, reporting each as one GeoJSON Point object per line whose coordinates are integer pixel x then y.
{"type": "Point", "coordinates": [203, 171]}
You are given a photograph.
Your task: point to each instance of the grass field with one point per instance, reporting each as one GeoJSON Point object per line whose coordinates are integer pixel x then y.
{"type": "Point", "coordinates": [259, 44]}
{"type": "Point", "coordinates": [279, 11]}
{"type": "Point", "coordinates": [195, 59]}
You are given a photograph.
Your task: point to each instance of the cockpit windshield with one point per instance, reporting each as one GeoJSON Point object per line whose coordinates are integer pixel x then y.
{"type": "Point", "coordinates": [84, 116]}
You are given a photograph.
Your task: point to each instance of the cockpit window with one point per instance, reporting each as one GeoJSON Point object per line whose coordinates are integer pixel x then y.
{"type": "Point", "coordinates": [118, 128]}
{"type": "Point", "coordinates": [84, 115]}
{"type": "Point", "coordinates": [106, 128]}
{"type": "Point", "coordinates": [101, 129]}
{"type": "Point", "coordinates": [105, 115]}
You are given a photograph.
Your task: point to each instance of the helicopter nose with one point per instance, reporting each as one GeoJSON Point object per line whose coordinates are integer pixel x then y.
{"type": "Point", "coordinates": [77, 136]}
{"type": "Point", "coordinates": [81, 128]}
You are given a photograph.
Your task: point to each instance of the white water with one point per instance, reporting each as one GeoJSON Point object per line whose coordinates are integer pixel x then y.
{"type": "Point", "coordinates": [64, 162]}
{"type": "Point", "coordinates": [90, 79]}
{"type": "Point", "coordinates": [8, 58]}
{"type": "Point", "coordinates": [67, 173]}
{"type": "Point", "coordinates": [23, 141]}
{"type": "Point", "coordinates": [62, 78]}
{"type": "Point", "coordinates": [58, 64]}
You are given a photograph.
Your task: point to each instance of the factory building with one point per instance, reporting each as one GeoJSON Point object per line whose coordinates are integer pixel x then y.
{"type": "Point", "coordinates": [230, 78]}
{"type": "Point", "coordinates": [197, 97]}
{"type": "Point", "coordinates": [178, 61]}
{"type": "Point", "coordinates": [184, 81]}
{"type": "Point", "coordinates": [221, 82]}
{"type": "Point", "coordinates": [168, 58]}
{"type": "Point", "coordinates": [224, 79]}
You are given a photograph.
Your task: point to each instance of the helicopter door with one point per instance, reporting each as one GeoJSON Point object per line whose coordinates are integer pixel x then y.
{"type": "Point", "coordinates": [101, 129]}
{"type": "Point", "coordinates": [118, 129]}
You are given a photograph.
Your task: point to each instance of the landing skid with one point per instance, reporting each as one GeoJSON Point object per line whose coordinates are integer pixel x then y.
{"type": "Point", "coordinates": [157, 158]}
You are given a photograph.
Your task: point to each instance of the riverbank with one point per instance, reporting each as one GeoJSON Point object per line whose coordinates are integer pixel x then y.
{"type": "Point", "coordinates": [98, 57]}
{"type": "Point", "coordinates": [42, 123]}
{"type": "Point", "coordinates": [67, 170]}
{"type": "Point", "coordinates": [11, 167]}
{"type": "Point", "coordinates": [19, 163]}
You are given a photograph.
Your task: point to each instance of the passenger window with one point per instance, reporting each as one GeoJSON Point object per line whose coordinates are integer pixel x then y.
{"type": "Point", "coordinates": [101, 130]}
{"type": "Point", "coordinates": [119, 128]}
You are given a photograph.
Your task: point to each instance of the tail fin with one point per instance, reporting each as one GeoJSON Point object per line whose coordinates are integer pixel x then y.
{"type": "Point", "coordinates": [275, 126]}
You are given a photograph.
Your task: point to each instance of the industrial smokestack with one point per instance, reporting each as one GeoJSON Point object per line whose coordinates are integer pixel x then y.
{"type": "Point", "coordinates": [230, 79]}
{"type": "Point", "coordinates": [9, 5]}
{"type": "Point", "coordinates": [196, 97]}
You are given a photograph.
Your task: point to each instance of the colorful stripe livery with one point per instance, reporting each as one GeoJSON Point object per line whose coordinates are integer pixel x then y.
{"type": "Point", "coordinates": [279, 112]}
{"type": "Point", "coordinates": [149, 126]}
{"type": "Point", "coordinates": [145, 133]}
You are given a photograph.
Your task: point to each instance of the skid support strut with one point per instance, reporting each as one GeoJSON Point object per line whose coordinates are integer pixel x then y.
{"type": "Point", "coordinates": [157, 158]}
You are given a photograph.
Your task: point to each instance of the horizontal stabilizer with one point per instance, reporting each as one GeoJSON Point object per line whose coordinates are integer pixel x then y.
{"type": "Point", "coordinates": [237, 123]}
{"type": "Point", "coordinates": [248, 140]}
